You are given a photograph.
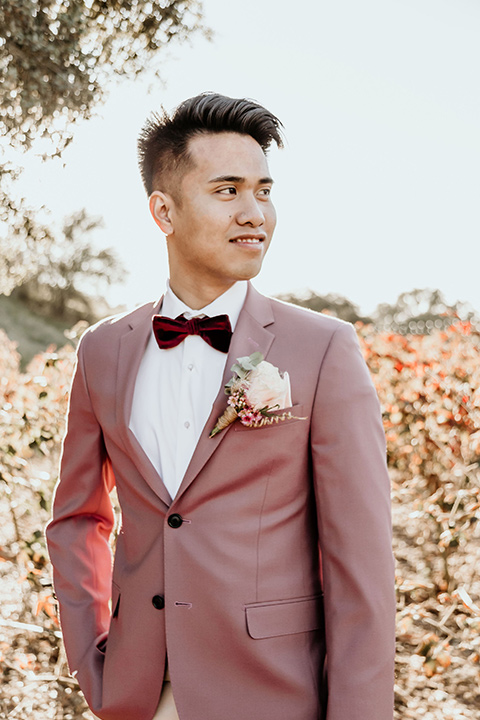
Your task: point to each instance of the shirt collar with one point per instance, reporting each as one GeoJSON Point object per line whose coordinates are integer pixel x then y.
{"type": "Point", "coordinates": [230, 303]}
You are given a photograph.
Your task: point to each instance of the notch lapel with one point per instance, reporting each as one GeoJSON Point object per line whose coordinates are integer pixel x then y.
{"type": "Point", "coordinates": [132, 347]}
{"type": "Point", "coordinates": [250, 335]}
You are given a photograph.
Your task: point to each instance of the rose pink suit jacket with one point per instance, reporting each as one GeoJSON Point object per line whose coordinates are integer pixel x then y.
{"type": "Point", "coordinates": [249, 601]}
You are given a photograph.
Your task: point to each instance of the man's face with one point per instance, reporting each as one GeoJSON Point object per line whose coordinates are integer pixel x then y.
{"type": "Point", "coordinates": [223, 219]}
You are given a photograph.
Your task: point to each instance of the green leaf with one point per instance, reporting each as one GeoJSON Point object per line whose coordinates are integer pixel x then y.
{"type": "Point", "coordinates": [247, 363]}
{"type": "Point", "coordinates": [255, 359]}
{"type": "Point", "coordinates": [238, 369]}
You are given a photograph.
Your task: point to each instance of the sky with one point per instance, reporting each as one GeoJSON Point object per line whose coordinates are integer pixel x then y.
{"type": "Point", "coordinates": [377, 189]}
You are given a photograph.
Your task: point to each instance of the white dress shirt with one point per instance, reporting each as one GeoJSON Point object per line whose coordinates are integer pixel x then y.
{"type": "Point", "coordinates": [176, 388]}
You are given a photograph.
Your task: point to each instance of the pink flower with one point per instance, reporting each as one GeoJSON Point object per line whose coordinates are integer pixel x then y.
{"type": "Point", "coordinates": [255, 391]}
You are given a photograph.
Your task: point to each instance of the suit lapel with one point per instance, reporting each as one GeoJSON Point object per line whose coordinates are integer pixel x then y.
{"type": "Point", "coordinates": [250, 336]}
{"type": "Point", "coordinates": [132, 347]}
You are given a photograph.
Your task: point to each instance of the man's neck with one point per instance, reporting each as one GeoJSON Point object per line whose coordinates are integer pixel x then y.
{"type": "Point", "coordinates": [197, 296]}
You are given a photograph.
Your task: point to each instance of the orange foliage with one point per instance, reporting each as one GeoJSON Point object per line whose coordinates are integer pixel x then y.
{"type": "Point", "coordinates": [429, 389]}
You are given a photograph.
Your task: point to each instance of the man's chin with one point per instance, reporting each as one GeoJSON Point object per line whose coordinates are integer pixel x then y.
{"type": "Point", "coordinates": [248, 273]}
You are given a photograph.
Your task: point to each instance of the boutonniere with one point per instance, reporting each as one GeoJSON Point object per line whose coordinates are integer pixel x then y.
{"type": "Point", "coordinates": [255, 391]}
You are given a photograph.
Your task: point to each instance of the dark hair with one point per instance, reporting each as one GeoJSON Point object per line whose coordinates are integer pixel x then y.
{"type": "Point", "coordinates": [163, 141]}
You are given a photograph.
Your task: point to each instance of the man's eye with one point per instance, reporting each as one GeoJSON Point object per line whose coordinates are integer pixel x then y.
{"type": "Point", "coordinates": [228, 190]}
{"type": "Point", "coordinates": [266, 191]}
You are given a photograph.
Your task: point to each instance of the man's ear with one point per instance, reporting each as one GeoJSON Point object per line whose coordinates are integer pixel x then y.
{"type": "Point", "coordinates": [160, 207]}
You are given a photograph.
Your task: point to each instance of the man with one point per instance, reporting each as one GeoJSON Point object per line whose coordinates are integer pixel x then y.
{"type": "Point", "coordinates": [245, 557]}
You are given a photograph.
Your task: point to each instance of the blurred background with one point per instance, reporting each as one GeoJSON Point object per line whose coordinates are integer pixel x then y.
{"type": "Point", "coordinates": [378, 223]}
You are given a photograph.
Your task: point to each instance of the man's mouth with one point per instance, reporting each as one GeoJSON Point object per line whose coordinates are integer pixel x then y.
{"type": "Point", "coordinates": [248, 240]}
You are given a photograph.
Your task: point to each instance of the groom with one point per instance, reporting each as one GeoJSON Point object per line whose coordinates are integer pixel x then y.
{"type": "Point", "coordinates": [253, 574]}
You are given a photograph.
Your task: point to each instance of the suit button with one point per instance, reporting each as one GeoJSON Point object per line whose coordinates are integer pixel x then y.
{"type": "Point", "coordinates": [175, 520]}
{"type": "Point", "coordinates": [158, 602]}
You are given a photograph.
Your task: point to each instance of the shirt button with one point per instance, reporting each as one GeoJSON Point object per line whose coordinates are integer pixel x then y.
{"type": "Point", "coordinates": [158, 602]}
{"type": "Point", "coordinates": [190, 367]}
{"type": "Point", "coordinates": [187, 424]}
{"type": "Point", "coordinates": [175, 520]}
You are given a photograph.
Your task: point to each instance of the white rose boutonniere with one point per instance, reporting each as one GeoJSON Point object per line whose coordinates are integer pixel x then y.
{"type": "Point", "coordinates": [268, 389]}
{"type": "Point", "coordinates": [255, 391]}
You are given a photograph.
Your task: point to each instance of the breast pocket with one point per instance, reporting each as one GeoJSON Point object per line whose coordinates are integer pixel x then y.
{"type": "Point", "coordinates": [284, 617]}
{"type": "Point", "coordinates": [296, 412]}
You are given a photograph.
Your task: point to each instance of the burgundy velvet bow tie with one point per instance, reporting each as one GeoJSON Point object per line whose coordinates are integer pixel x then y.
{"type": "Point", "coordinates": [216, 331]}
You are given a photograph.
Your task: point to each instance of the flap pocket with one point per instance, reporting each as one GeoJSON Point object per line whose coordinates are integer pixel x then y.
{"type": "Point", "coordinates": [284, 617]}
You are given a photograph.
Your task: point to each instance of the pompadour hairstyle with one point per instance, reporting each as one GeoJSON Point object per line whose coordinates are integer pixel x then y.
{"type": "Point", "coordinates": [163, 140]}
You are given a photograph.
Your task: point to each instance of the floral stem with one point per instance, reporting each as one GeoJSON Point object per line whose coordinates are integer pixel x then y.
{"type": "Point", "coordinates": [229, 416]}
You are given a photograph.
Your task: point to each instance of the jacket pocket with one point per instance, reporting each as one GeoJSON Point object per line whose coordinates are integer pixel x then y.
{"type": "Point", "coordinates": [284, 617]}
{"type": "Point", "coordinates": [295, 410]}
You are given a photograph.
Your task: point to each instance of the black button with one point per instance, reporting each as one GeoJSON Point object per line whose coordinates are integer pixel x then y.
{"type": "Point", "coordinates": [175, 520]}
{"type": "Point", "coordinates": [158, 602]}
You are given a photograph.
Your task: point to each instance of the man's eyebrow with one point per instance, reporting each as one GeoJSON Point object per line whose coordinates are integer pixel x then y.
{"type": "Point", "coordinates": [239, 180]}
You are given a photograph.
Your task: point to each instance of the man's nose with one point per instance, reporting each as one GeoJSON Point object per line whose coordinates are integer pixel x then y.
{"type": "Point", "coordinates": [251, 212]}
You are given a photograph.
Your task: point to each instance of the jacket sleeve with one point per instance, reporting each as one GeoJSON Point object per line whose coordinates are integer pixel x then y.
{"type": "Point", "coordinates": [353, 505]}
{"type": "Point", "coordinates": [78, 537]}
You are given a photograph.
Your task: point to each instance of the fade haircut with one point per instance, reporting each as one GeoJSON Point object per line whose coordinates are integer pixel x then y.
{"type": "Point", "coordinates": [163, 142]}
